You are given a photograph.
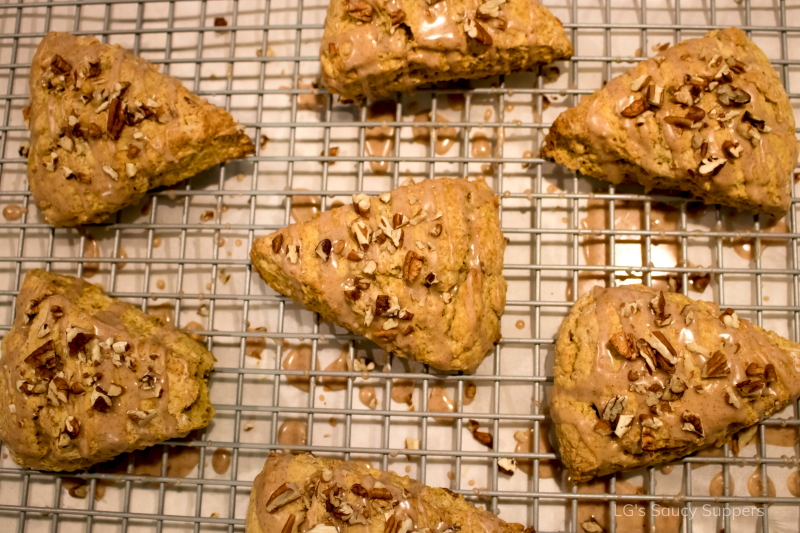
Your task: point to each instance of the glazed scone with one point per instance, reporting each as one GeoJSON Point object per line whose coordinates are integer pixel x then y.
{"type": "Point", "coordinates": [296, 493]}
{"type": "Point", "coordinates": [707, 116]}
{"type": "Point", "coordinates": [372, 48]}
{"type": "Point", "coordinates": [86, 377]}
{"type": "Point", "coordinates": [645, 377]}
{"type": "Point", "coordinates": [106, 127]}
{"type": "Point", "coordinates": [418, 270]}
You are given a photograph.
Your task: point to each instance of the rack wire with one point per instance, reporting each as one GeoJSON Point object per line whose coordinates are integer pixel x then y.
{"type": "Point", "coordinates": [182, 254]}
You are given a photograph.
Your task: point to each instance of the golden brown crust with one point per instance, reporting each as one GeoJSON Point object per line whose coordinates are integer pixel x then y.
{"type": "Point", "coordinates": [706, 137]}
{"type": "Point", "coordinates": [350, 497]}
{"type": "Point", "coordinates": [728, 374]}
{"type": "Point", "coordinates": [117, 128]}
{"type": "Point", "coordinates": [86, 377]}
{"type": "Point", "coordinates": [424, 280]}
{"type": "Point", "coordinates": [372, 48]}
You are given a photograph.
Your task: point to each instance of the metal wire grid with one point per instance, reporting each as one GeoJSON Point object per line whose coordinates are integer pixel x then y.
{"type": "Point", "coordinates": [544, 258]}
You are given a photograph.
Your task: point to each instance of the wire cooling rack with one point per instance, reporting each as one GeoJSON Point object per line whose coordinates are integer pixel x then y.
{"type": "Point", "coordinates": [182, 254]}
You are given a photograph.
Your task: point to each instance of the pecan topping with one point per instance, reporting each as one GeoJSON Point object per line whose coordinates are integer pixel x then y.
{"type": "Point", "coordinates": [770, 375]}
{"type": "Point", "coordinates": [412, 265]}
{"type": "Point", "coordinates": [625, 345]}
{"type": "Point", "coordinates": [728, 95]}
{"type": "Point", "coordinates": [277, 243]}
{"type": "Point", "coordinates": [354, 293]}
{"type": "Point", "coordinates": [666, 356]}
{"type": "Point", "coordinates": [376, 493]}
{"type": "Point", "coordinates": [398, 17]}
{"type": "Point", "coordinates": [731, 397]}
{"type": "Point", "coordinates": [474, 29]}
{"type": "Point", "coordinates": [624, 425]}
{"type": "Point", "coordinates": [100, 401]}
{"type": "Point", "coordinates": [648, 440]}
{"type": "Point", "coordinates": [711, 166]}
{"type": "Point", "coordinates": [436, 230]}
{"type": "Point", "coordinates": [659, 306]}
{"type": "Point", "coordinates": [633, 375]}
{"type": "Point", "coordinates": [758, 123]}
{"type": "Point", "coordinates": [72, 427]}
{"type": "Point", "coordinates": [43, 356]}
{"type": "Point", "coordinates": [382, 305]}
{"type": "Point", "coordinates": [286, 493]}
{"type": "Point", "coordinates": [678, 122]}
{"type": "Point", "coordinates": [733, 149]}
{"type": "Point", "coordinates": [361, 204]}
{"type": "Point", "coordinates": [359, 10]}
{"type": "Point", "coordinates": [750, 387]}
{"type": "Point", "coordinates": [94, 131]}
{"type": "Point", "coordinates": [324, 249]}
{"type": "Point", "coordinates": [355, 255]}
{"type": "Point", "coordinates": [674, 389]}
{"type": "Point", "coordinates": [614, 407]}
{"type": "Point", "coordinates": [142, 418]}
{"type": "Point", "coordinates": [288, 527]}
{"type": "Point", "coordinates": [691, 423]}
{"type": "Point", "coordinates": [59, 65]}
{"type": "Point", "coordinates": [717, 366]}
{"type": "Point", "coordinates": [116, 119]}
{"type": "Point", "coordinates": [399, 220]}
{"type": "Point", "coordinates": [636, 108]}
{"type": "Point", "coordinates": [603, 427]}
{"type": "Point", "coordinates": [386, 335]}
{"type": "Point", "coordinates": [362, 234]}
{"type": "Point", "coordinates": [755, 369]}
{"type": "Point", "coordinates": [640, 83]}
{"type": "Point", "coordinates": [730, 318]}
{"type": "Point", "coordinates": [647, 353]}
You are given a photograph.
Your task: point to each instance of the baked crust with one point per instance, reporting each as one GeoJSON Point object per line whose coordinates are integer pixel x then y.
{"type": "Point", "coordinates": [68, 344]}
{"type": "Point", "coordinates": [372, 48]}
{"type": "Point", "coordinates": [425, 282]}
{"type": "Point", "coordinates": [757, 158]}
{"type": "Point", "coordinates": [712, 377]}
{"type": "Point", "coordinates": [117, 128]}
{"type": "Point", "coordinates": [348, 497]}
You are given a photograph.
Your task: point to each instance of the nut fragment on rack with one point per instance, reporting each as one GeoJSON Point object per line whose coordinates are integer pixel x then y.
{"type": "Point", "coordinates": [482, 437]}
{"type": "Point", "coordinates": [592, 526]}
{"type": "Point", "coordinates": [507, 466]}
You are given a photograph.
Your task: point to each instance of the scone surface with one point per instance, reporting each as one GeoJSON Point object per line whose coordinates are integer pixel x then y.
{"type": "Point", "coordinates": [351, 497]}
{"type": "Point", "coordinates": [723, 131]}
{"type": "Point", "coordinates": [106, 127]}
{"type": "Point", "coordinates": [419, 272]}
{"type": "Point", "coordinates": [727, 374]}
{"type": "Point", "coordinates": [372, 48]}
{"type": "Point", "coordinates": [86, 377]}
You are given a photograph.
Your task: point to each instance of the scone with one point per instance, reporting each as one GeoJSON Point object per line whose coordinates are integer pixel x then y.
{"type": "Point", "coordinates": [372, 48]}
{"type": "Point", "coordinates": [645, 377]}
{"type": "Point", "coordinates": [85, 377]}
{"type": "Point", "coordinates": [106, 127]}
{"type": "Point", "coordinates": [306, 493]}
{"type": "Point", "coordinates": [417, 270]}
{"type": "Point", "coordinates": [707, 116]}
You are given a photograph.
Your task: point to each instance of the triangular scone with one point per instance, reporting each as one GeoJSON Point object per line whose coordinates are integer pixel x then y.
{"type": "Point", "coordinates": [371, 49]}
{"type": "Point", "coordinates": [645, 377]}
{"type": "Point", "coordinates": [708, 116]}
{"type": "Point", "coordinates": [417, 270]}
{"type": "Point", "coordinates": [307, 493]}
{"type": "Point", "coordinates": [106, 127]}
{"type": "Point", "coordinates": [85, 377]}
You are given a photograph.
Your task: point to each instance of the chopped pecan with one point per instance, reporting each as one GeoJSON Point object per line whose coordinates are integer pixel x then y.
{"type": "Point", "coordinates": [116, 119]}
{"type": "Point", "coordinates": [386, 335]}
{"type": "Point", "coordinates": [72, 427]}
{"type": "Point", "coordinates": [354, 293]}
{"type": "Point", "coordinates": [692, 423]}
{"type": "Point", "coordinates": [633, 375]}
{"type": "Point", "coordinates": [382, 305]}
{"type": "Point", "coordinates": [412, 265]}
{"type": "Point", "coordinates": [324, 249]}
{"type": "Point", "coordinates": [481, 436]}
{"type": "Point", "coordinates": [636, 108]}
{"type": "Point", "coordinates": [732, 149]}
{"type": "Point", "coordinates": [59, 65]}
{"type": "Point", "coordinates": [770, 374]}
{"type": "Point", "coordinates": [678, 122]}
{"type": "Point", "coordinates": [100, 401]}
{"type": "Point", "coordinates": [647, 353]}
{"type": "Point", "coordinates": [729, 95]}
{"type": "Point", "coordinates": [750, 387]}
{"type": "Point", "coordinates": [731, 397]}
{"type": "Point", "coordinates": [359, 10]}
{"type": "Point", "coordinates": [361, 204]}
{"type": "Point", "coordinates": [436, 230]}
{"type": "Point", "coordinates": [614, 407]}
{"type": "Point", "coordinates": [711, 166]}
{"type": "Point", "coordinates": [625, 345]}
{"type": "Point", "coordinates": [754, 369]}
{"type": "Point", "coordinates": [474, 29]}
{"type": "Point", "coordinates": [756, 122]}
{"type": "Point", "coordinates": [603, 427]}
{"type": "Point", "coordinates": [288, 527]}
{"type": "Point", "coordinates": [717, 366]}
{"type": "Point", "coordinates": [666, 356]}
{"type": "Point", "coordinates": [399, 220]}
{"type": "Point", "coordinates": [43, 356]}
{"type": "Point", "coordinates": [659, 306]}
{"type": "Point", "coordinates": [142, 418]}
{"type": "Point", "coordinates": [730, 318]}
{"type": "Point", "coordinates": [624, 424]}
{"type": "Point", "coordinates": [286, 493]}
{"type": "Point", "coordinates": [674, 389]}
{"type": "Point", "coordinates": [397, 16]}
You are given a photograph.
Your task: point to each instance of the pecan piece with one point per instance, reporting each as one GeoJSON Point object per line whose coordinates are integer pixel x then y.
{"type": "Point", "coordinates": [59, 65]}
{"type": "Point", "coordinates": [603, 427]}
{"type": "Point", "coordinates": [324, 249]}
{"type": "Point", "coordinates": [398, 17]}
{"type": "Point", "coordinates": [277, 243]}
{"type": "Point", "coordinates": [286, 493]}
{"type": "Point", "coordinates": [116, 119]}
{"type": "Point", "coordinates": [474, 29]}
{"type": "Point", "coordinates": [359, 10]}
{"type": "Point", "coordinates": [625, 345]}
{"type": "Point", "coordinates": [750, 387]}
{"type": "Point", "coordinates": [636, 108]}
{"type": "Point", "coordinates": [481, 436]}
{"type": "Point", "coordinates": [717, 366]}
{"type": "Point", "coordinates": [614, 407]}
{"type": "Point", "coordinates": [412, 265]}
{"type": "Point", "coordinates": [770, 375]}
{"type": "Point", "coordinates": [692, 423]}
{"type": "Point", "coordinates": [754, 369]}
